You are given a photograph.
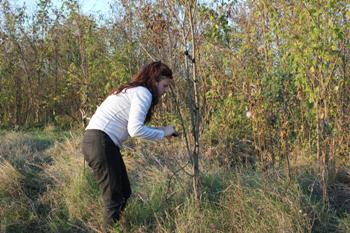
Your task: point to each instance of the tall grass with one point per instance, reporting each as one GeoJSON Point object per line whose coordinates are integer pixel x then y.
{"type": "Point", "coordinates": [47, 189]}
{"type": "Point", "coordinates": [21, 168]}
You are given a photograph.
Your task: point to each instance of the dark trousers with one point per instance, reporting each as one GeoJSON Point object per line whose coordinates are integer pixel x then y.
{"type": "Point", "coordinates": [108, 167]}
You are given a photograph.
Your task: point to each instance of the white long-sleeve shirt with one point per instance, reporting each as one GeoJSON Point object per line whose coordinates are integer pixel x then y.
{"type": "Point", "coordinates": [124, 114]}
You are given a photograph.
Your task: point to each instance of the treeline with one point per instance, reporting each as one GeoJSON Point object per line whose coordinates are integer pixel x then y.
{"type": "Point", "coordinates": [273, 76]}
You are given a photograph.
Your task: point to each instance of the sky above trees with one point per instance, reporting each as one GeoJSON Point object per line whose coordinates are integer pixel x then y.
{"type": "Point", "coordinates": [88, 6]}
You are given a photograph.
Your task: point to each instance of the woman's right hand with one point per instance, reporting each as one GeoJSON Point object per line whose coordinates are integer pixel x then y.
{"type": "Point", "coordinates": [169, 130]}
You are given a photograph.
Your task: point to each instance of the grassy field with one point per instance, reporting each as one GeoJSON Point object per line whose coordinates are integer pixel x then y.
{"type": "Point", "coordinates": [45, 188]}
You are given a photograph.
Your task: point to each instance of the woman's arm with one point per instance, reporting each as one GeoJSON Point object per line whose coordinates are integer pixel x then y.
{"type": "Point", "coordinates": [140, 104]}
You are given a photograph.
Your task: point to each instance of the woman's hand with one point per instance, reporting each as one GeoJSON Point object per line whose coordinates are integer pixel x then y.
{"type": "Point", "coordinates": [169, 130]}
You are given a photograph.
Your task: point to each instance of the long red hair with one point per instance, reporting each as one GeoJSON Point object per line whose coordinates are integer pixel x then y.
{"type": "Point", "coordinates": [148, 77]}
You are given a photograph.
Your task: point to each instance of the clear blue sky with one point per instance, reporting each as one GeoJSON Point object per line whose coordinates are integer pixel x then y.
{"type": "Point", "coordinates": [88, 6]}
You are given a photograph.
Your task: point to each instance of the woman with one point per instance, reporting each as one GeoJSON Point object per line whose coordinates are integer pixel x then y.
{"type": "Point", "coordinates": [122, 114]}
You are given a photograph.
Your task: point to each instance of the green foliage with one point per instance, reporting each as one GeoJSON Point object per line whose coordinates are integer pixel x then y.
{"type": "Point", "coordinates": [344, 224]}
{"type": "Point", "coordinates": [283, 63]}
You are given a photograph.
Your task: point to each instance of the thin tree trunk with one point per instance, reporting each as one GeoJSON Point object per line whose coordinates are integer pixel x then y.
{"type": "Point", "coordinates": [195, 155]}
{"type": "Point", "coordinates": [18, 101]}
{"type": "Point", "coordinates": [318, 132]}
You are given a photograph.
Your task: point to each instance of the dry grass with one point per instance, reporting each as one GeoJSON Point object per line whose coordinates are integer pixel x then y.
{"type": "Point", "coordinates": [12, 203]}
{"type": "Point", "coordinates": [9, 179]}
{"type": "Point", "coordinates": [22, 182]}
{"type": "Point", "coordinates": [45, 189]}
{"type": "Point", "coordinates": [74, 197]}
